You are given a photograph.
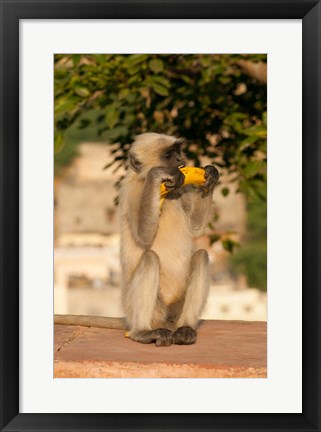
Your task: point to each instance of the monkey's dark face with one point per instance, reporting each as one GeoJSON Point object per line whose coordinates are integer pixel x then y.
{"type": "Point", "coordinates": [172, 156]}
{"type": "Point", "coordinates": [153, 150]}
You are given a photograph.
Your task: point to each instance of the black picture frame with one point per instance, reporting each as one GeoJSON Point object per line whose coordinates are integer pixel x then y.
{"type": "Point", "coordinates": [11, 12]}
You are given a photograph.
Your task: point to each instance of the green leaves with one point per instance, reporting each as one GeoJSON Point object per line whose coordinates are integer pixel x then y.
{"type": "Point", "coordinates": [123, 93]}
{"type": "Point", "coordinates": [185, 95]}
{"type": "Point", "coordinates": [248, 141]}
{"type": "Point", "coordinates": [112, 116]}
{"type": "Point", "coordinates": [65, 103]}
{"type": "Point", "coordinates": [251, 258]}
{"type": "Point", "coordinates": [159, 84]}
{"type": "Point", "coordinates": [256, 131]}
{"type": "Point", "coordinates": [59, 141]}
{"type": "Point", "coordinates": [81, 91]}
{"type": "Point", "coordinates": [117, 133]}
{"type": "Point", "coordinates": [225, 191]}
{"type": "Point", "coordinates": [76, 59]}
{"type": "Point", "coordinates": [251, 169]}
{"type": "Point", "coordinates": [156, 65]}
{"type": "Point", "coordinates": [135, 59]}
{"type": "Point", "coordinates": [229, 244]}
{"type": "Point", "coordinates": [159, 89]}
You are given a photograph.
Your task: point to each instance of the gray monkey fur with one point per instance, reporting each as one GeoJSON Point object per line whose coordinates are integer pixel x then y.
{"type": "Point", "coordinates": [165, 282]}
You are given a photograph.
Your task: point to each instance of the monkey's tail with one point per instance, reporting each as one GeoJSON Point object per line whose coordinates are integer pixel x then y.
{"type": "Point", "coordinates": [91, 321]}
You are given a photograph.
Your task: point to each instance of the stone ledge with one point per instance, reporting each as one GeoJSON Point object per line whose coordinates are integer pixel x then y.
{"type": "Point", "coordinates": [224, 349]}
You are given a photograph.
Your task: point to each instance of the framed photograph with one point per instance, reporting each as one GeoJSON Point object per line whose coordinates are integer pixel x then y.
{"type": "Point", "coordinates": [240, 81]}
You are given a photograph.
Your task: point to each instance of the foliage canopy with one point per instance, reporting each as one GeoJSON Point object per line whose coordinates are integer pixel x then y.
{"type": "Point", "coordinates": [208, 99]}
{"type": "Point", "coordinates": [251, 258]}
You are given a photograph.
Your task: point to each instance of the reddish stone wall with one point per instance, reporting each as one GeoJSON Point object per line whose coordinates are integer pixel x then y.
{"type": "Point", "coordinates": [224, 349]}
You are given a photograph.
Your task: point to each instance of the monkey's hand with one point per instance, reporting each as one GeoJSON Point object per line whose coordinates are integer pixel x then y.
{"type": "Point", "coordinates": [173, 178]}
{"type": "Point", "coordinates": [211, 177]}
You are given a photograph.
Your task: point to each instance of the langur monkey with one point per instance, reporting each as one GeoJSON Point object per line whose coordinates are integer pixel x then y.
{"type": "Point", "coordinates": [165, 282]}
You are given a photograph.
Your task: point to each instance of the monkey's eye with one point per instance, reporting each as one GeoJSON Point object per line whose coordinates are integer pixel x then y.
{"type": "Point", "coordinates": [168, 155]}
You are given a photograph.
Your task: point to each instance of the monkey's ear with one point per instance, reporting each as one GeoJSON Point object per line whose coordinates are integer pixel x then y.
{"type": "Point", "coordinates": [134, 163]}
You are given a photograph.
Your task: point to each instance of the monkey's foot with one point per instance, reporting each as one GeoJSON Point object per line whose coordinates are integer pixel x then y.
{"type": "Point", "coordinates": [161, 337]}
{"type": "Point", "coordinates": [184, 336]}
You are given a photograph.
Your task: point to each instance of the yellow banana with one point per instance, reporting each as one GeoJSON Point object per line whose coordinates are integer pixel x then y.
{"type": "Point", "coordinates": [193, 175]}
